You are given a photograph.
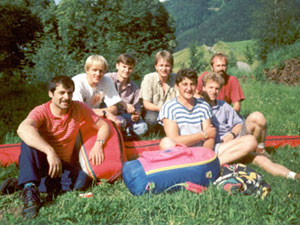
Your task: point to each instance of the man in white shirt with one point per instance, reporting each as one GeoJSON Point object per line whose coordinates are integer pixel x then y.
{"type": "Point", "coordinates": [97, 90]}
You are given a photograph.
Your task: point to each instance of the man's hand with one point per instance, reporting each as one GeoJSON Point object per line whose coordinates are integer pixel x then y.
{"type": "Point", "coordinates": [130, 108]}
{"type": "Point", "coordinates": [210, 131]}
{"type": "Point", "coordinates": [227, 137]}
{"type": "Point", "coordinates": [96, 154]}
{"type": "Point", "coordinates": [55, 166]}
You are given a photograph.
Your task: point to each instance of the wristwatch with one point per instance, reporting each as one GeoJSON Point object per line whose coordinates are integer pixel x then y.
{"type": "Point", "coordinates": [101, 141]}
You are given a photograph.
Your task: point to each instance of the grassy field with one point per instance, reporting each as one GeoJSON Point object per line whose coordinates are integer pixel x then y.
{"type": "Point", "coordinates": [113, 204]}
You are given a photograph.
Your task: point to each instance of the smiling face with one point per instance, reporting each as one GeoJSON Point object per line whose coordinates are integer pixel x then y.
{"type": "Point", "coordinates": [94, 74]}
{"type": "Point", "coordinates": [211, 91]}
{"type": "Point", "coordinates": [124, 71]}
{"type": "Point", "coordinates": [219, 65]}
{"type": "Point", "coordinates": [61, 97]}
{"type": "Point", "coordinates": [163, 68]}
{"type": "Point", "coordinates": [186, 88]}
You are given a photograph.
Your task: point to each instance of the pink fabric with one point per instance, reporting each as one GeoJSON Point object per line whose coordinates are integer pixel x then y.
{"type": "Point", "coordinates": [61, 133]}
{"type": "Point", "coordinates": [230, 92]}
{"type": "Point", "coordinates": [174, 156]}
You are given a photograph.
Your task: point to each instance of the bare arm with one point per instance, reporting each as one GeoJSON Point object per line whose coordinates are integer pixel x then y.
{"type": "Point", "coordinates": [28, 132]}
{"type": "Point", "coordinates": [236, 130]}
{"type": "Point", "coordinates": [96, 155]}
{"type": "Point", "coordinates": [150, 106]}
{"type": "Point", "coordinates": [237, 106]}
{"type": "Point", "coordinates": [211, 134]}
{"type": "Point", "coordinates": [110, 113]}
{"type": "Point", "coordinates": [172, 132]}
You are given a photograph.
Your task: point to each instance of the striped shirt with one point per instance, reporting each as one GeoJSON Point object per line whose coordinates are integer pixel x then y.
{"type": "Point", "coordinates": [188, 121]}
{"type": "Point", "coordinates": [61, 133]}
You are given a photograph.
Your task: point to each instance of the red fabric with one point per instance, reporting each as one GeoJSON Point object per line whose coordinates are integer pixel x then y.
{"type": "Point", "coordinates": [114, 153]}
{"type": "Point", "coordinates": [230, 92]}
{"type": "Point", "coordinates": [61, 133]}
{"type": "Point", "coordinates": [9, 153]}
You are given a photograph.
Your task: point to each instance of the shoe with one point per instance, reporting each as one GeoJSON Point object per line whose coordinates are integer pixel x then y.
{"type": "Point", "coordinates": [9, 186]}
{"type": "Point", "coordinates": [32, 201]}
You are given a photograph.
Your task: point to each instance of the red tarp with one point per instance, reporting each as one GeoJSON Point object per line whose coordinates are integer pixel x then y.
{"type": "Point", "coordinates": [9, 153]}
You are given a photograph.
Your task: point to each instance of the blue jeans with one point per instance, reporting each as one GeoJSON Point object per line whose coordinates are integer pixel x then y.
{"type": "Point", "coordinates": [34, 168]}
{"type": "Point", "coordinates": [139, 127]}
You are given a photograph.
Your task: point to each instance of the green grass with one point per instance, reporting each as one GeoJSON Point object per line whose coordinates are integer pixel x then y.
{"type": "Point", "coordinates": [113, 204]}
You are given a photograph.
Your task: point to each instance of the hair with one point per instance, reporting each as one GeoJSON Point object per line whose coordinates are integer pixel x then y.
{"type": "Point", "coordinates": [165, 55]}
{"type": "Point", "coordinates": [127, 59]}
{"type": "Point", "coordinates": [218, 55]}
{"type": "Point", "coordinates": [188, 73]}
{"type": "Point", "coordinates": [212, 76]}
{"type": "Point", "coordinates": [65, 81]}
{"type": "Point", "coordinates": [96, 59]}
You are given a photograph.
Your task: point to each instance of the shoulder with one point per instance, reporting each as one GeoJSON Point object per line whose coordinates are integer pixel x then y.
{"type": "Point", "coordinates": [224, 105]}
{"type": "Point", "coordinates": [232, 78]}
{"type": "Point", "coordinates": [150, 76]}
{"type": "Point", "coordinates": [79, 77]}
{"type": "Point", "coordinates": [112, 75]}
{"type": "Point", "coordinates": [202, 102]}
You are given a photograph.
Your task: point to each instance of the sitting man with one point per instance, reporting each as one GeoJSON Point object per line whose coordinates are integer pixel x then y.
{"type": "Point", "coordinates": [230, 127]}
{"type": "Point", "coordinates": [187, 121]}
{"type": "Point", "coordinates": [158, 87]}
{"type": "Point", "coordinates": [129, 108]}
{"type": "Point", "coordinates": [231, 92]}
{"type": "Point", "coordinates": [48, 134]}
{"type": "Point", "coordinates": [96, 90]}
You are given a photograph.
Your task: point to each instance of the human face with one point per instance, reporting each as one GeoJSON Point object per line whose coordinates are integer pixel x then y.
{"type": "Point", "coordinates": [186, 89]}
{"type": "Point", "coordinates": [124, 71]}
{"type": "Point", "coordinates": [211, 90]}
{"type": "Point", "coordinates": [163, 68]}
{"type": "Point", "coordinates": [61, 97]}
{"type": "Point", "coordinates": [95, 74]}
{"type": "Point", "coordinates": [219, 65]}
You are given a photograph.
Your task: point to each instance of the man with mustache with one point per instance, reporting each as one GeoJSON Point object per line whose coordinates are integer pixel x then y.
{"type": "Point", "coordinates": [231, 91]}
{"type": "Point", "coordinates": [47, 163]}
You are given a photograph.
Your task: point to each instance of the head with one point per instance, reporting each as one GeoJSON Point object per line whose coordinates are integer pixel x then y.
{"type": "Point", "coordinates": [125, 65]}
{"type": "Point", "coordinates": [164, 63]}
{"type": "Point", "coordinates": [186, 82]}
{"type": "Point", "coordinates": [60, 90]}
{"type": "Point", "coordinates": [212, 83]}
{"type": "Point", "coordinates": [95, 68]}
{"type": "Point", "coordinates": [218, 63]}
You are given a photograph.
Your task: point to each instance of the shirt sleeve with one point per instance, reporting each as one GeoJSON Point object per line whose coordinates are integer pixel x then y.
{"type": "Point", "coordinates": [77, 94]}
{"type": "Point", "coordinates": [37, 115]}
{"type": "Point", "coordinates": [87, 114]}
{"type": "Point", "coordinates": [146, 89]}
{"type": "Point", "coordinates": [233, 117]}
{"type": "Point", "coordinates": [111, 96]}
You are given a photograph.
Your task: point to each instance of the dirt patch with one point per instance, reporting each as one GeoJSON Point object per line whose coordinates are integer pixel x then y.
{"type": "Point", "coordinates": [286, 73]}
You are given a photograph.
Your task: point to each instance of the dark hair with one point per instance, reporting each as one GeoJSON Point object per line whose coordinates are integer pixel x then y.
{"type": "Point", "coordinates": [188, 73]}
{"type": "Point", "coordinates": [127, 59]}
{"type": "Point", "coordinates": [218, 55]}
{"type": "Point", "coordinates": [66, 81]}
{"type": "Point", "coordinates": [212, 76]}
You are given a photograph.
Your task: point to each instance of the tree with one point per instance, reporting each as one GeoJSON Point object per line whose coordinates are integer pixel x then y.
{"type": "Point", "coordinates": [197, 60]}
{"type": "Point", "coordinates": [104, 27]}
{"type": "Point", "coordinates": [18, 28]}
{"type": "Point", "coordinates": [275, 23]}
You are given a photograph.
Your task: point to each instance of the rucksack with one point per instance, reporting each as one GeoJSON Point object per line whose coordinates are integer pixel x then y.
{"type": "Point", "coordinates": [239, 178]}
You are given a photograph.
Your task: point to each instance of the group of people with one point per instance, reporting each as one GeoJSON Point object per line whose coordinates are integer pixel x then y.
{"type": "Point", "coordinates": [193, 111]}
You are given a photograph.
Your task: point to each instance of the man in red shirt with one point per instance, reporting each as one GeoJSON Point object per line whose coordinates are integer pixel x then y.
{"type": "Point", "coordinates": [48, 139]}
{"type": "Point", "coordinates": [231, 91]}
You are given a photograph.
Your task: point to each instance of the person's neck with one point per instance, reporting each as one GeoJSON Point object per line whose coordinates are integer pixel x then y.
{"type": "Point", "coordinates": [211, 102]}
{"type": "Point", "coordinates": [91, 83]}
{"type": "Point", "coordinates": [56, 111]}
{"type": "Point", "coordinates": [163, 79]}
{"type": "Point", "coordinates": [122, 80]}
{"type": "Point", "coordinates": [188, 103]}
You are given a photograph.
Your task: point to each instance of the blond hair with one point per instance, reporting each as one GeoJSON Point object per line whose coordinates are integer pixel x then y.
{"type": "Point", "coordinates": [212, 76]}
{"type": "Point", "coordinates": [96, 59]}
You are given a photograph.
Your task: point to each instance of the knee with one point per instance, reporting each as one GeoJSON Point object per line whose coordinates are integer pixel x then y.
{"type": "Point", "coordinates": [258, 118]}
{"type": "Point", "coordinates": [166, 143]}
